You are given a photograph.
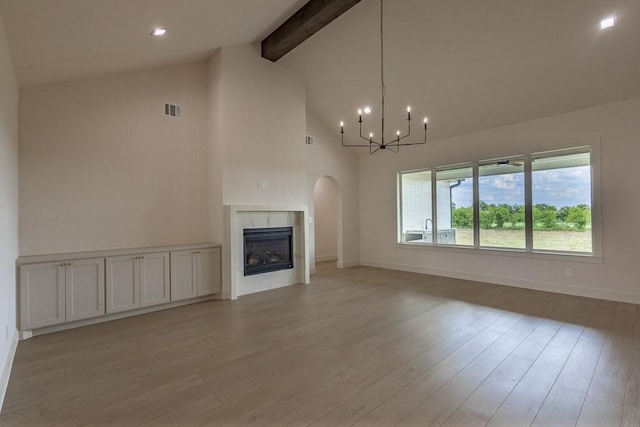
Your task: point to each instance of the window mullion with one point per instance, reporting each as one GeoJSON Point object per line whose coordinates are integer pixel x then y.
{"type": "Point", "coordinates": [476, 206]}
{"type": "Point", "coordinates": [434, 209]}
{"type": "Point", "coordinates": [400, 193]}
{"type": "Point", "coordinates": [528, 204]}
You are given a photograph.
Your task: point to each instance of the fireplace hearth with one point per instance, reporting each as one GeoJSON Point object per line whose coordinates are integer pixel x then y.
{"type": "Point", "coordinates": [267, 249]}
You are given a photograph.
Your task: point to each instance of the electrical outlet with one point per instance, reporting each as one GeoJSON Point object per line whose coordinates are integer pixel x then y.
{"type": "Point", "coordinates": [568, 272]}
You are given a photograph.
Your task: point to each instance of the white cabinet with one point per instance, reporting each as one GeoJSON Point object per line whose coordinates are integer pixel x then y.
{"type": "Point", "coordinates": [42, 295]}
{"type": "Point", "coordinates": [58, 292]}
{"type": "Point", "coordinates": [209, 268]}
{"type": "Point", "coordinates": [154, 279]}
{"type": "Point", "coordinates": [195, 273]}
{"type": "Point", "coordinates": [84, 288]}
{"type": "Point", "coordinates": [123, 289]}
{"type": "Point", "coordinates": [58, 288]}
{"type": "Point", "coordinates": [135, 281]}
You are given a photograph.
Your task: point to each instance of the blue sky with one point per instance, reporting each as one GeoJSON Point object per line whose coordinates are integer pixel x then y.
{"type": "Point", "coordinates": [557, 187]}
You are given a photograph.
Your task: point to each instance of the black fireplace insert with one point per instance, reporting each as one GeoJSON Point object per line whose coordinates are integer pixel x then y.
{"type": "Point", "coordinates": [267, 249]}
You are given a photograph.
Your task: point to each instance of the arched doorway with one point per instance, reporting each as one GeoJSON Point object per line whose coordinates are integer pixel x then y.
{"type": "Point", "coordinates": [326, 201]}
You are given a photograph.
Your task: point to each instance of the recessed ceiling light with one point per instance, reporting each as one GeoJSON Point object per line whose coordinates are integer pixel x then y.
{"type": "Point", "coordinates": [157, 32]}
{"type": "Point", "coordinates": [608, 22]}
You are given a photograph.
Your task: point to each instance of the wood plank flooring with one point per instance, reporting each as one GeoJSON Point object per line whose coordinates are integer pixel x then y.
{"type": "Point", "coordinates": [359, 346]}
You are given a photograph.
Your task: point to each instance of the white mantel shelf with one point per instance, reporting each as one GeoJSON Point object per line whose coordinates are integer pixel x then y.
{"type": "Point", "coordinates": [234, 238]}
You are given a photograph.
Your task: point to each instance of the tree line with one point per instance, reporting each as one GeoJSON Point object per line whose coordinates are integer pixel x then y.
{"type": "Point", "coordinates": [511, 217]}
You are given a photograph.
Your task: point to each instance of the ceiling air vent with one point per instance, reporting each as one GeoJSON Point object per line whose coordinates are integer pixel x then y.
{"type": "Point", "coordinates": [172, 110]}
{"type": "Point", "coordinates": [308, 140]}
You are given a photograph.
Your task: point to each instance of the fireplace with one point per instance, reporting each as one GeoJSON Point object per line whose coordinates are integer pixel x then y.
{"type": "Point", "coordinates": [267, 249]}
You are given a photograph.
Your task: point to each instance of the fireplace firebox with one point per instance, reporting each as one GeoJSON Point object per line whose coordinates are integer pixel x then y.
{"type": "Point", "coordinates": [267, 249]}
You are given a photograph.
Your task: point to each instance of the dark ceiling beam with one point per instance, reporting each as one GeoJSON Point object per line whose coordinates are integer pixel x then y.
{"type": "Point", "coordinates": [307, 21]}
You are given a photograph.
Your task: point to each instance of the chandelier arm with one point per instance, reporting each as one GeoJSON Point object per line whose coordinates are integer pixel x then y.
{"type": "Point", "coordinates": [417, 143]}
{"type": "Point", "coordinates": [351, 145]}
{"type": "Point", "coordinates": [412, 143]}
{"type": "Point", "coordinates": [370, 140]}
{"type": "Point", "coordinates": [408, 131]}
{"type": "Point", "coordinates": [354, 145]}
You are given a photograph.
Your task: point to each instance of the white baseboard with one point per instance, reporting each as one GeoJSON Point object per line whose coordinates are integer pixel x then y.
{"type": "Point", "coordinates": [322, 258]}
{"type": "Point", "coordinates": [559, 288]}
{"type": "Point", "coordinates": [29, 333]}
{"type": "Point", "coordinates": [347, 264]}
{"type": "Point", "coordinates": [6, 369]}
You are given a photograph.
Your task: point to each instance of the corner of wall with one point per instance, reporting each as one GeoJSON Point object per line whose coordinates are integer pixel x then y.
{"type": "Point", "coordinates": [9, 245]}
{"type": "Point", "coordinates": [6, 368]}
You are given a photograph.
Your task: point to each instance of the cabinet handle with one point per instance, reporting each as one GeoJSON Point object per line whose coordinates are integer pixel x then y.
{"type": "Point", "coordinates": [62, 265]}
{"type": "Point", "coordinates": [141, 257]}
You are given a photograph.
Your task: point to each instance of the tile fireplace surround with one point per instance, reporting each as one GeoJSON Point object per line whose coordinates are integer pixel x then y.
{"type": "Point", "coordinates": [239, 217]}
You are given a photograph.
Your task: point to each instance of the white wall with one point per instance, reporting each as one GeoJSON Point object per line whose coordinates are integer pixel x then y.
{"type": "Point", "coordinates": [617, 130]}
{"type": "Point", "coordinates": [328, 158]}
{"type": "Point", "coordinates": [325, 219]}
{"type": "Point", "coordinates": [261, 128]}
{"type": "Point", "coordinates": [257, 127]}
{"type": "Point", "coordinates": [8, 208]}
{"type": "Point", "coordinates": [102, 167]}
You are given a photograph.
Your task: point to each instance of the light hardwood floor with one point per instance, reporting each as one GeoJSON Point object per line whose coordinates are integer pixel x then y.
{"type": "Point", "coordinates": [360, 346]}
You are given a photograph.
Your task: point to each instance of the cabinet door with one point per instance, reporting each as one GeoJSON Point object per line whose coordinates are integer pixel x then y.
{"type": "Point", "coordinates": [183, 275]}
{"type": "Point", "coordinates": [42, 290]}
{"type": "Point", "coordinates": [209, 281]}
{"type": "Point", "coordinates": [123, 289]}
{"type": "Point", "coordinates": [85, 289]}
{"type": "Point", "coordinates": [154, 279]}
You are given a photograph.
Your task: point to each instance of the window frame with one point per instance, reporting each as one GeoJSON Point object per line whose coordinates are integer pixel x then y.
{"type": "Point", "coordinates": [528, 250]}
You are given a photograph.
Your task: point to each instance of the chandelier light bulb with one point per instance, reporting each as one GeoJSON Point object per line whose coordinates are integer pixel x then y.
{"type": "Point", "coordinates": [408, 109]}
{"type": "Point", "coordinates": [425, 120]}
{"type": "Point", "coordinates": [371, 135]}
{"type": "Point", "coordinates": [360, 111]}
{"type": "Point", "coordinates": [342, 124]}
{"type": "Point", "coordinates": [398, 133]}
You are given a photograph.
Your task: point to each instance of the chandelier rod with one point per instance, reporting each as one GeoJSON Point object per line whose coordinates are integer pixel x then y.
{"type": "Point", "coordinates": [383, 87]}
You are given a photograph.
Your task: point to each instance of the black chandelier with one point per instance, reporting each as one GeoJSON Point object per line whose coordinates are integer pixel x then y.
{"type": "Point", "coordinates": [395, 144]}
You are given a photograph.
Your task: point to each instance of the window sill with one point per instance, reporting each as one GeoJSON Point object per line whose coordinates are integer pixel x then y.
{"type": "Point", "coordinates": [519, 253]}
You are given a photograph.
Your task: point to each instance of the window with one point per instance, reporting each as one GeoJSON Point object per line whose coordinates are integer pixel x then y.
{"type": "Point", "coordinates": [561, 199]}
{"type": "Point", "coordinates": [417, 218]}
{"type": "Point", "coordinates": [501, 191]}
{"type": "Point", "coordinates": [534, 203]}
{"type": "Point", "coordinates": [454, 197]}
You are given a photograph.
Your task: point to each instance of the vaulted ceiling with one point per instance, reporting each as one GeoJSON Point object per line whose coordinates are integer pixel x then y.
{"type": "Point", "coordinates": [57, 40]}
{"type": "Point", "coordinates": [466, 64]}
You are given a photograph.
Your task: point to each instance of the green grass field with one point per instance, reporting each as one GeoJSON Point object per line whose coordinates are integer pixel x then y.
{"type": "Point", "coordinates": [543, 240]}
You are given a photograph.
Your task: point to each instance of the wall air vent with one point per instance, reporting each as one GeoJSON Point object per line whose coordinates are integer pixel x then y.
{"type": "Point", "coordinates": [172, 110]}
{"type": "Point", "coordinates": [308, 140]}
